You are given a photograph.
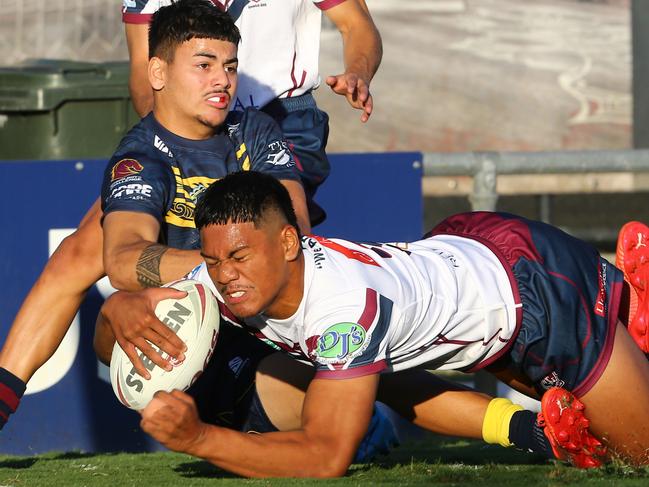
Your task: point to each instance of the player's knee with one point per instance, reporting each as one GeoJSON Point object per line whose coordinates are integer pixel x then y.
{"type": "Point", "coordinates": [76, 253]}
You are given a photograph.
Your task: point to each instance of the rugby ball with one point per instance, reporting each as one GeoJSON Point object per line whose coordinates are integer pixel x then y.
{"type": "Point", "coordinates": [195, 319]}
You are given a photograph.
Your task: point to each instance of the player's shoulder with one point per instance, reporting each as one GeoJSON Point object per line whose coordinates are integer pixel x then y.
{"type": "Point", "coordinates": [142, 143]}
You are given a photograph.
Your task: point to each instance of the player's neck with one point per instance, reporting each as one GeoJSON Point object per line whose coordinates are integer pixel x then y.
{"type": "Point", "coordinates": [288, 300]}
{"type": "Point", "coordinates": [180, 126]}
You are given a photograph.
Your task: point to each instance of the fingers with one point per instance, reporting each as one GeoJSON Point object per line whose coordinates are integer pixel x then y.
{"type": "Point", "coordinates": [134, 357]}
{"type": "Point", "coordinates": [355, 89]}
{"type": "Point", "coordinates": [156, 344]}
{"type": "Point", "coordinates": [367, 109]}
{"type": "Point", "coordinates": [183, 397]}
{"type": "Point", "coordinates": [151, 356]}
{"type": "Point", "coordinates": [331, 81]}
{"type": "Point", "coordinates": [158, 402]}
{"type": "Point", "coordinates": [157, 294]}
{"type": "Point", "coordinates": [157, 333]}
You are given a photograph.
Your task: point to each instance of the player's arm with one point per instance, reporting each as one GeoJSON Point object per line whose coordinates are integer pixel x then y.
{"type": "Point", "coordinates": [137, 40]}
{"type": "Point", "coordinates": [132, 256]}
{"type": "Point", "coordinates": [298, 198]}
{"type": "Point", "coordinates": [362, 52]}
{"type": "Point", "coordinates": [335, 418]}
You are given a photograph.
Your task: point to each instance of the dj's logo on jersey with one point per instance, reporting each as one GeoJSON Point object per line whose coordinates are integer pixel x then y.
{"type": "Point", "coordinates": [125, 168]}
{"type": "Point", "coordinates": [341, 343]}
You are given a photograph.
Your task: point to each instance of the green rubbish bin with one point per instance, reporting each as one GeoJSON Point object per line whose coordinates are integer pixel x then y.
{"type": "Point", "coordinates": [53, 109]}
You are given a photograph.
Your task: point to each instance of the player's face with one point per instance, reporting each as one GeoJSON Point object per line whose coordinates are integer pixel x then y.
{"type": "Point", "coordinates": [199, 85]}
{"type": "Point", "coordinates": [251, 268]}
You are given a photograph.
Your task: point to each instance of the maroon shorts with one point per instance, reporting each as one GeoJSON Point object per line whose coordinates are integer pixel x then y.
{"type": "Point", "coordinates": [570, 298]}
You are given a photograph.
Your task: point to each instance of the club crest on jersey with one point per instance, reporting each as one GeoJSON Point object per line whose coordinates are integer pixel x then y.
{"type": "Point", "coordinates": [341, 343]}
{"type": "Point", "coordinates": [125, 168]}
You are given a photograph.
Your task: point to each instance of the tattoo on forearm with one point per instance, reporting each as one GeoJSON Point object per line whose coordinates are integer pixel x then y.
{"type": "Point", "coordinates": [148, 265]}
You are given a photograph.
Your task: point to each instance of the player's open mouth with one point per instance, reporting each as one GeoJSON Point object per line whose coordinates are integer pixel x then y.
{"type": "Point", "coordinates": [222, 100]}
{"type": "Point", "coordinates": [235, 296]}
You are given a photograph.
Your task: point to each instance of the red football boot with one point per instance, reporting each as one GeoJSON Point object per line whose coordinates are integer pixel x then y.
{"type": "Point", "coordinates": [632, 258]}
{"type": "Point", "coordinates": [564, 424]}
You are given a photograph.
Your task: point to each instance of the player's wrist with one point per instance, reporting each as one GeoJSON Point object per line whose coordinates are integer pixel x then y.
{"type": "Point", "coordinates": [198, 446]}
{"type": "Point", "coordinates": [12, 389]}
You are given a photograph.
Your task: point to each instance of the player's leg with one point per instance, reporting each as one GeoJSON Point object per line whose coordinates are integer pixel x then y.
{"type": "Point", "coordinates": [281, 383]}
{"type": "Point", "coordinates": [50, 306]}
{"type": "Point", "coordinates": [617, 404]}
{"type": "Point", "coordinates": [447, 408]}
{"type": "Point", "coordinates": [434, 404]}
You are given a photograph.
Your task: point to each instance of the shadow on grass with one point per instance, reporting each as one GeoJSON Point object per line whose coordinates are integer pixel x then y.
{"type": "Point", "coordinates": [443, 450]}
{"type": "Point", "coordinates": [18, 463]}
{"type": "Point", "coordinates": [202, 469]}
{"type": "Point", "coordinates": [27, 462]}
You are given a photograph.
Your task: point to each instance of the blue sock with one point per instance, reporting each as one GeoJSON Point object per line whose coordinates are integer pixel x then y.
{"type": "Point", "coordinates": [527, 435]}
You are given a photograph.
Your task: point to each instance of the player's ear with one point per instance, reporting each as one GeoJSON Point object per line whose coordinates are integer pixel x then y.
{"type": "Point", "coordinates": [157, 72]}
{"type": "Point", "coordinates": [291, 242]}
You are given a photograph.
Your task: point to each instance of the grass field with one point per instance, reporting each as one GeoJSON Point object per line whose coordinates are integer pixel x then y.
{"type": "Point", "coordinates": [435, 461]}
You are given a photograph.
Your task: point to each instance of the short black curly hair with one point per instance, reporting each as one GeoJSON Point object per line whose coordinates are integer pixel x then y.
{"type": "Point", "coordinates": [243, 197]}
{"type": "Point", "coordinates": [184, 20]}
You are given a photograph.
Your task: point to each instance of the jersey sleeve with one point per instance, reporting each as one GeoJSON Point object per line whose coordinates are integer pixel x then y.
{"type": "Point", "coordinates": [137, 184]}
{"type": "Point", "coordinates": [351, 339]}
{"type": "Point", "coordinates": [141, 11]}
{"type": "Point", "coordinates": [265, 148]}
{"type": "Point", "coordinates": [327, 4]}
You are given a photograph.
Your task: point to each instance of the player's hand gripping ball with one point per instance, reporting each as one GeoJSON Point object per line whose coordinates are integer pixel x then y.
{"type": "Point", "coordinates": [195, 319]}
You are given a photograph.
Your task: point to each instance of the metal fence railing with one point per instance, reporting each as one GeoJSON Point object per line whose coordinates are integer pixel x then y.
{"type": "Point", "coordinates": [485, 168]}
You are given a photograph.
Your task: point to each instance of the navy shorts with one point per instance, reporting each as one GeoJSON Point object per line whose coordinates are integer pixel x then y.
{"type": "Point", "coordinates": [570, 298]}
{"type": "Point", "coordinates": [225, 393]}
{"type": "Point", "coordinates": [306, 129]}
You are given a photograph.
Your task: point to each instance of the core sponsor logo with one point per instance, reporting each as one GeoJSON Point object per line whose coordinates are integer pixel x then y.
{"type": "Point", "coordinates": [341, 343]}
{"type": "Point", "coordinates": [135, 191]}
{"type": "Point", "coordinates": [125, 168]}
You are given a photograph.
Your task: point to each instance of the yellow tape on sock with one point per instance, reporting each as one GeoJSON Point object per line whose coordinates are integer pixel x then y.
{"type": "Point", "coordinates": [495, 427]}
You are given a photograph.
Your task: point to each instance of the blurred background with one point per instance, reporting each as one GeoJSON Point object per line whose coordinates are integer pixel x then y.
{"type": "Point", "coordinates": [456, 76]}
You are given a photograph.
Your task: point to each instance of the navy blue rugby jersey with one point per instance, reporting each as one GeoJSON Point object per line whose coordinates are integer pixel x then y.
{"type": "Point", "coordinates": [157, 172]}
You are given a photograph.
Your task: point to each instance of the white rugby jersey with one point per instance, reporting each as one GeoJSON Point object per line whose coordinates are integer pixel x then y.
{"type": "Point", "coordinates": [445, 301]}
{"type": "Point", "coordinates": [279, 49]}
